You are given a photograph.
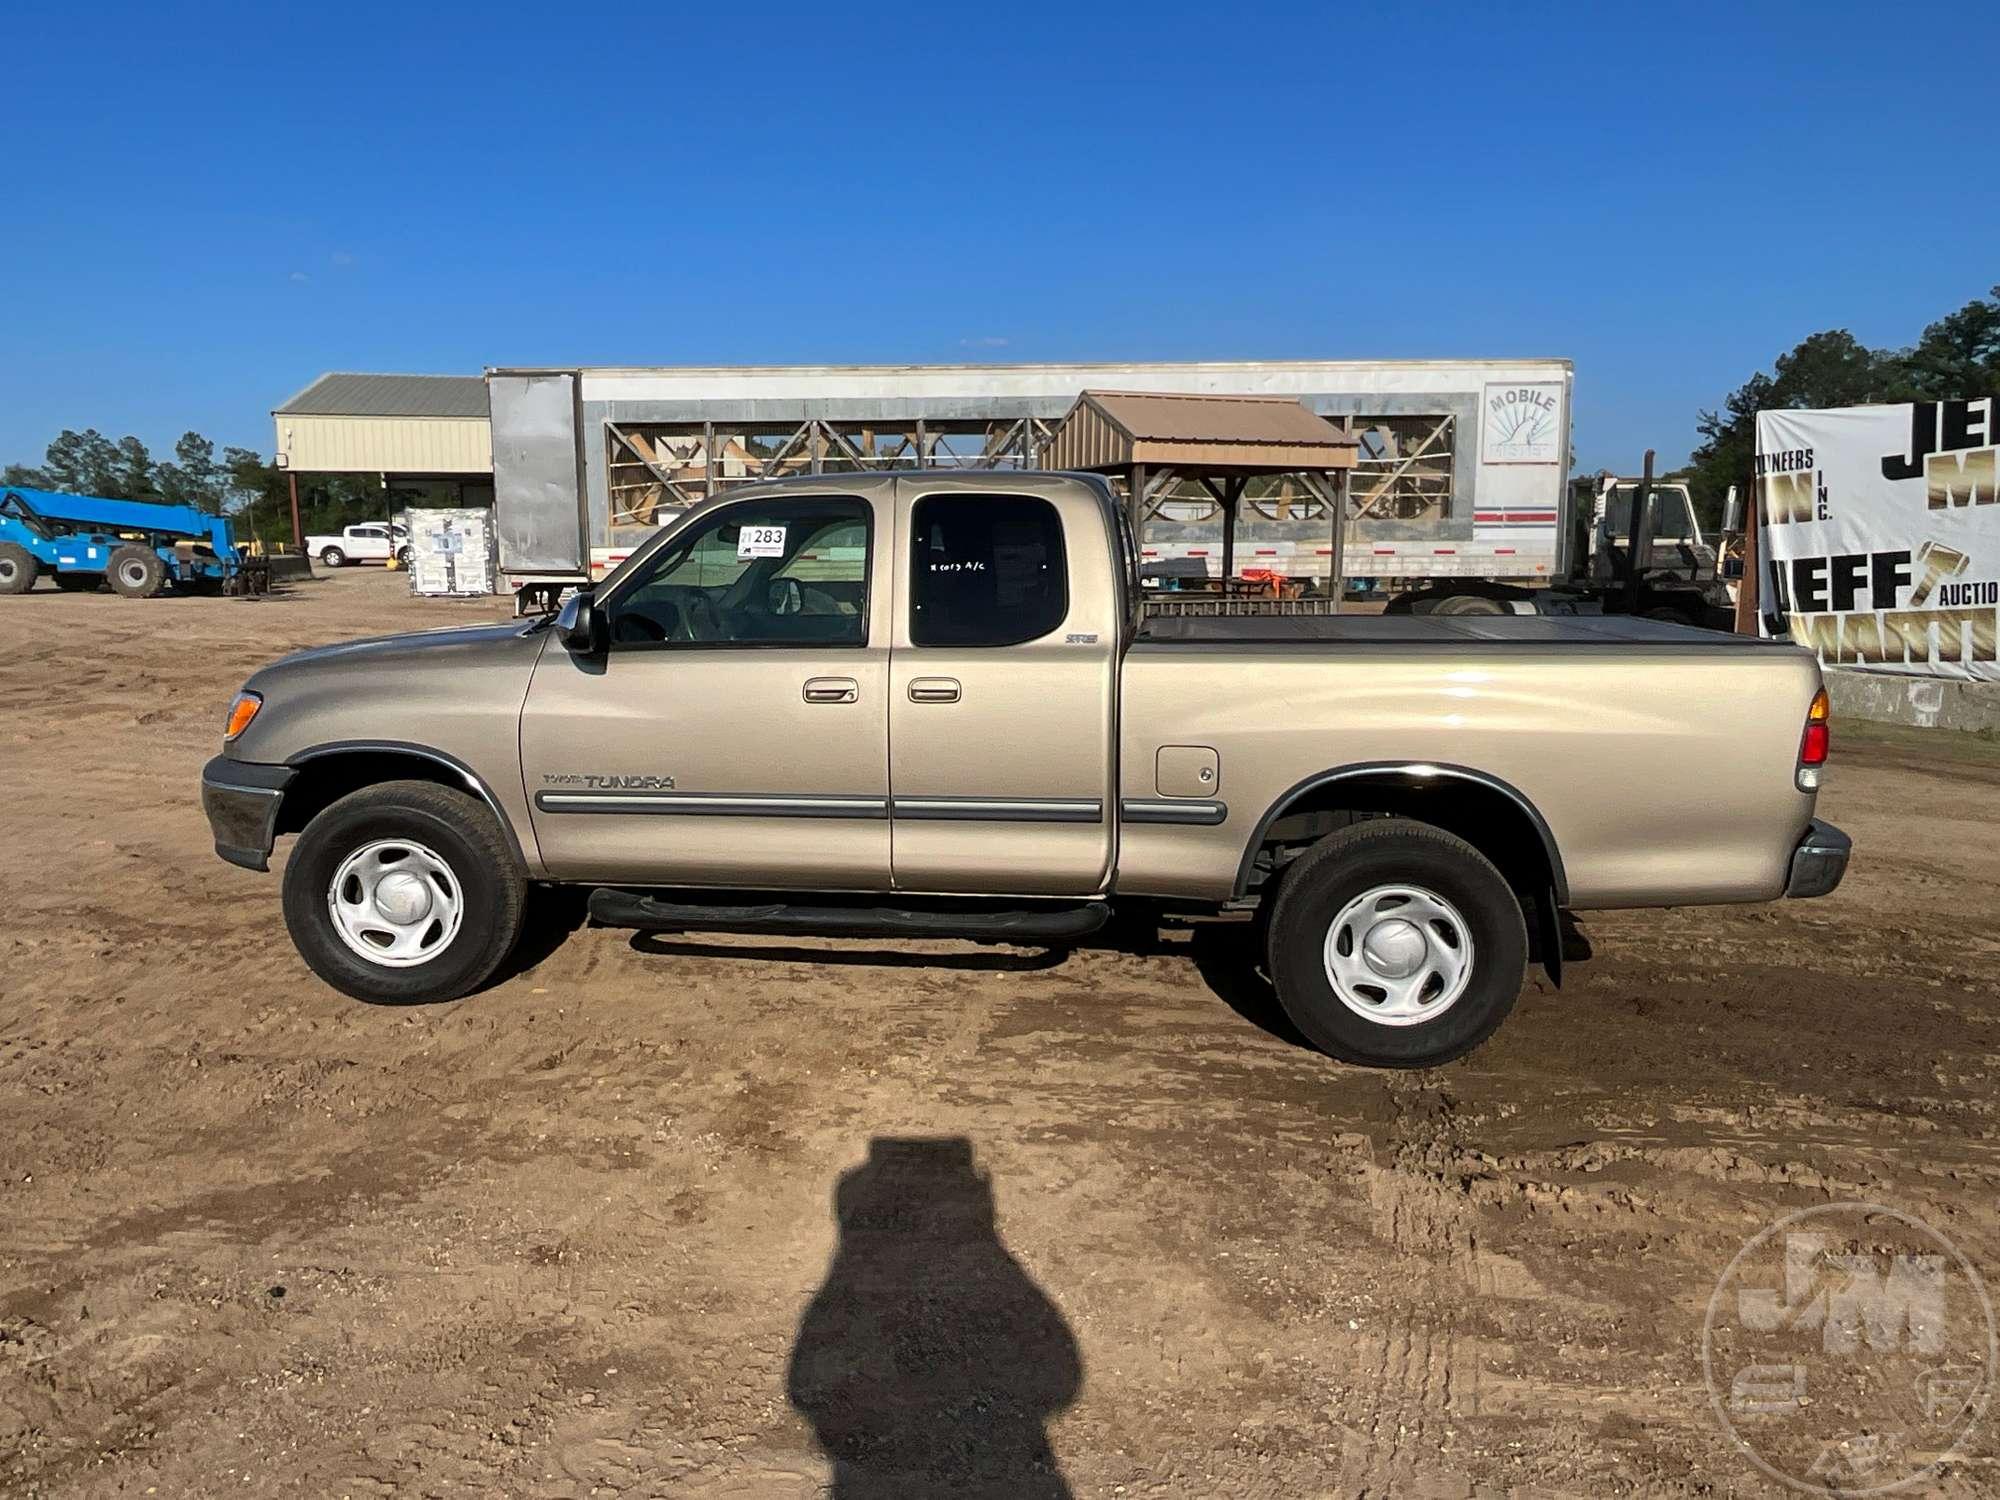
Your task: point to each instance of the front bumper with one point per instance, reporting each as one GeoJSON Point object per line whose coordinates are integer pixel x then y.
{"type": "Point", "coordinates": [241, 799]}
{"type": "Point", "coordinates": [1819, 861]}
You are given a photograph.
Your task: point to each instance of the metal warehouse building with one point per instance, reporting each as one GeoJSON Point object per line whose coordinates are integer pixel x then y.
{"type": "Point", "coordinates": [427, 436]}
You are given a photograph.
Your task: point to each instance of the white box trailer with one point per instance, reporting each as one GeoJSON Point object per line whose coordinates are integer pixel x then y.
{"type": "Point", "coordinates": [1463, 469]}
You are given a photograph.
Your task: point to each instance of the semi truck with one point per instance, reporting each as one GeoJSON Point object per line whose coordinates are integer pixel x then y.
{"type": "Point", "coordinates": [1636, 548]}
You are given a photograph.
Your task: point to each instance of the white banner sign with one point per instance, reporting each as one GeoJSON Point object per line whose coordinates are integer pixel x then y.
{"type": "Point", "coordinates": [1881, 535]}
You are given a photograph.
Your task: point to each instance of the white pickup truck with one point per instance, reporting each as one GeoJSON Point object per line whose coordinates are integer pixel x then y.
{"type": "Point", "coordinates": [370, 541]}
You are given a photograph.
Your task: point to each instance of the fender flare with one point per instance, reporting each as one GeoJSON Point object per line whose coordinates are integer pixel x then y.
{"type": "Point", "coordinates": [1409, 770]}
{"type": "Point", "coordinates": [473, 782]}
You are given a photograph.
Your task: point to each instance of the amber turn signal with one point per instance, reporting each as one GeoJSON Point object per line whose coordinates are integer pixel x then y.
{"type": "Point", "coordinates": [1814, 744]}
{"type": "Point", "coordinates": [1817, 741]}
{"type": "Point", "coordinates": [241, 712]}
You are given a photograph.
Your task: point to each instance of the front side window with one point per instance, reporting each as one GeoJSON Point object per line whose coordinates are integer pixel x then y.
{"type": "Point", "coordinates": [986, 570]}
{"type": "Point", "coordinates": [761, 573]}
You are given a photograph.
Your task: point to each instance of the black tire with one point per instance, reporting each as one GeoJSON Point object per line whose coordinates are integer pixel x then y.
{"type": "Point", "coordinates": [1470, 604]}
{"type": "Point", "coordinates": [403, 558]}
{"type": "Point", "coordinates": [332, 557]}
{"type": "Point", "coordinates": [79, 583]}
{"type": "Point", "coordinates": [18, 568]}
{"type": "Point", "coordinates": [136, 572]}
{"type": "Point", "coordinates": [1312, 894]}
{"type": "Point", "coordinates": [463, 833]}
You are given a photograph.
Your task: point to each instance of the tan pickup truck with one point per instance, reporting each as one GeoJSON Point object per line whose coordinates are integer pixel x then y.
{"type": "Point", "coordinates": [934, 705]}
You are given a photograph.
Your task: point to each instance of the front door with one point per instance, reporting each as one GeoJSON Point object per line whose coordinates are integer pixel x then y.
{"type": "Point", "coordinates": [735, 733]}
{"type": "Point", "coordinates": [1002, 690]}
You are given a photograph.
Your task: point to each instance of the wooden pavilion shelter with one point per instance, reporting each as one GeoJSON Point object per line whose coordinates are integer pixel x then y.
{"type": "Point", "coordinates": [1157, 441]}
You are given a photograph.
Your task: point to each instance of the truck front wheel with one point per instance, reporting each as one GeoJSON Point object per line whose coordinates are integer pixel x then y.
{"type": "Point", "coordinates": [404, 892]}
{"type": "Point", "coordinates": [1396, 944]}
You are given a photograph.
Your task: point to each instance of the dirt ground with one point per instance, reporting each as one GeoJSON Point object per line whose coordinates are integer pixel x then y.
{"type": "Point", "coordinates": [741, 1218]}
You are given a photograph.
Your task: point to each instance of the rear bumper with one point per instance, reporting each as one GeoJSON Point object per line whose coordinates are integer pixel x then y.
{"type": "Point", "coordinates": [241, 799]}
{"type": "Point", "coordinates": [1819, 861]}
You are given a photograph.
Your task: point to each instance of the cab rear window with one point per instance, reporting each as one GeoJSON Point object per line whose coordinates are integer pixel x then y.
{"type": "Point", "coordinates": [986, 570]}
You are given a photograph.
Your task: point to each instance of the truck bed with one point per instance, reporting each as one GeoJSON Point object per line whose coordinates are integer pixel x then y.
{"type": "Point", "coordinates": [1660, 757]}
{"type": "Point", "coordinates": [1438, 630]}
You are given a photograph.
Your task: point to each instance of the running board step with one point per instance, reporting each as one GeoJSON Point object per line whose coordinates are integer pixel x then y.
{"type": "Point", "coordinates": [611, 907]}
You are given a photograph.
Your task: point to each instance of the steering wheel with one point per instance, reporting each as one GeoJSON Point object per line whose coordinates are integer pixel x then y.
{"type": "Point", "coordinates": [633, 627]}
{"type": "Point", "coordinates": [710, 627]}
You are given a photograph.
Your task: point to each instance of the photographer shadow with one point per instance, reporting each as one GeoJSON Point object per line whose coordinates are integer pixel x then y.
{"type": "Point", "coordinates": [929, 1362]}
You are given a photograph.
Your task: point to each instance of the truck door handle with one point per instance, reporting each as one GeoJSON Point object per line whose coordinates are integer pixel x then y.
{"type": "Point", "coordinates": [832, 690]}
{"type": "Point", "coordinates": [934, 690]}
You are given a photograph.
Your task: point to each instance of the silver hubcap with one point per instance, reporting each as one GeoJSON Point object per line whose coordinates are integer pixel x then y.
{"type": "Point", "coordinates": [134, 573]}
{"type": "Point", "coordinates": [395, 903]}
{"type": "Point", "coordinates": [1399, 955]}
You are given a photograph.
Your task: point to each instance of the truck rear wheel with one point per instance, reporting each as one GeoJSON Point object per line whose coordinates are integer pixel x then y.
{"type": "Point", "coordinates": [1395, 944]}
{"type": "Point", "coordinates": [136, 572]}
{"type": "Point", "coordinates": [404, 892]}
{"type": "Point", "coordinates": [17, 568]}
{"type": "Point", "coordinates": [1470, 604]}
{"type": "Point", "coordinates": [332, 557]}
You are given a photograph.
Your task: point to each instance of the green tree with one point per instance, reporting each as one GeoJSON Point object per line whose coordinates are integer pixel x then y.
{"type": "Point", "coordinates": [132, 475]}
{"type": "Point", "coordinates": [1958, 355]}
{"type": "Point", "coordinates": [194, 477]}
{"type": "Point", "coordinates": [82, 463]}
{"type": "Point", "coordinates": [257, 495]}
{"type": "Point", "coordinates": [1825, 369]}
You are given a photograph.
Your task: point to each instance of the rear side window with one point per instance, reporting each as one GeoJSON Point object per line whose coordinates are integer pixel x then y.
{"type": "Point", "coordinates": [986, 570]}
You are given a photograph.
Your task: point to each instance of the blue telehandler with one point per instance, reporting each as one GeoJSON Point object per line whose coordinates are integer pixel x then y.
{"type": "Point", "coordinates": [138, 547]}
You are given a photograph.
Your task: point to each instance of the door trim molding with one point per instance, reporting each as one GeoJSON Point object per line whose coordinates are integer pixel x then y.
{"type": "Point", "coordinates": [1173, 810]}
{"type": "Point", "coordinates": [998, 809]}
{"type": "Point", "coordinates": [711, 805]}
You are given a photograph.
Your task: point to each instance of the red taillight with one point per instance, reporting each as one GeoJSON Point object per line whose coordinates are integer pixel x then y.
{"type": "Point", "coordinates": [1815, 743]}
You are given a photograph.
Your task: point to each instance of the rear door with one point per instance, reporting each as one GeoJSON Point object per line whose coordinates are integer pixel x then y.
{"type": "Point", "coordinates": [1002, 689]}
{"type": "Point", "coordinates": [735, 734]}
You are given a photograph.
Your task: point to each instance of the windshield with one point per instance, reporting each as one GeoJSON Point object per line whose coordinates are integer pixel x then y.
{"type": "Point", "coordinates": [1673, 517]}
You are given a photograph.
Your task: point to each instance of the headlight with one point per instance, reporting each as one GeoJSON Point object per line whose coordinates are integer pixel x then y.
{"type": "Point", "coordinates": [241, 712]}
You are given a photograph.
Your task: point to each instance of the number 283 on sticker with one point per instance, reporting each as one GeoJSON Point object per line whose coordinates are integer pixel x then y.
{"type": "Point", "coordinates": [760, 541]}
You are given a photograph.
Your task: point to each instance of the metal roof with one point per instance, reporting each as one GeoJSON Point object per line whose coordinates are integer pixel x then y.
{"type": "Point", "coordinates": [344, 395]}
{"type": "Point", "coordinates": [1115, 429]}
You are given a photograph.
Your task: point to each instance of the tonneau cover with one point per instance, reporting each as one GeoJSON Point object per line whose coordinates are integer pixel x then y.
{"type": "Point", "coordinates": [1434, 630]}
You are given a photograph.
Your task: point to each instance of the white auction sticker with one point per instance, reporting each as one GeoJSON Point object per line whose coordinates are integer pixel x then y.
{"type": "Point", "coordinates": [760, 541]}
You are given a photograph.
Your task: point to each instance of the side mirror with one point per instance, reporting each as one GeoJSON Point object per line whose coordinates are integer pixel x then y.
{"type": "Point", "coordinates": [1732, 513]}
{"type": "Point", "coordinates": [584, 629]}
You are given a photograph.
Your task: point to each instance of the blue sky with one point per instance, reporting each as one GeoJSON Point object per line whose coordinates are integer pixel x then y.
{"type": "Point", "coordinates": [210, 205]}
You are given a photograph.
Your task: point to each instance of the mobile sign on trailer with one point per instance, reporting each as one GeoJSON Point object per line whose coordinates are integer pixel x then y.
{"type": "Point", "coordinates": [1881, 535]}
